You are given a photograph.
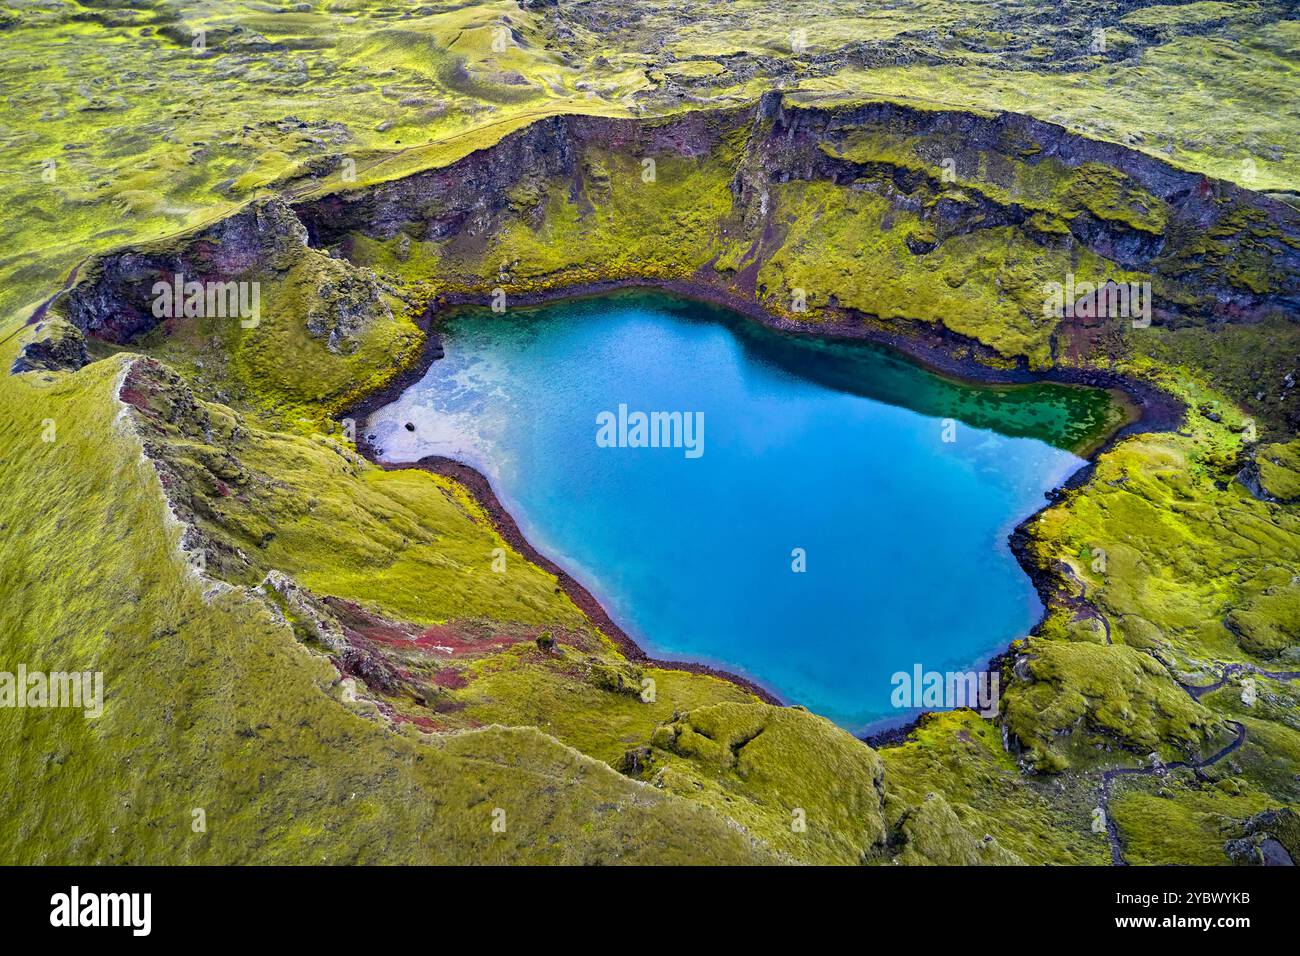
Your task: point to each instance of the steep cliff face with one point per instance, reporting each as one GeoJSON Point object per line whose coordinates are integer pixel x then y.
{"type": "Point", "coordinates": [1212, 248]}
{"type": "Point", "coordinates": [470, 199]}
{"type": "Point", "coordinates": [853, 207]}
{"type": "Point", "coordinates": [463, 199]}
{"type": "Point", "coordinates": [875, 213]}
{"type": "Point", "coordinates": [115, 298]}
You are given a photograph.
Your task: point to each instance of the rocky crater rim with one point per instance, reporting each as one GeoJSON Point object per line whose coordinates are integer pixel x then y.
{"type": "Point", "coordinates": [784, 142]}
{"type": "Point", "coordinates": [1151, 409]}
{"type": "Point", "coordinates": [1154, 221]}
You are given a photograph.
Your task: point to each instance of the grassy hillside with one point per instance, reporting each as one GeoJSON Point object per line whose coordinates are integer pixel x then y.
{"type": "Point", "coordinates": [213, 703]}
{"type": "Point", "coordinates": [97, 148]}
{"type": "Point", "coordinates": [338, 663]}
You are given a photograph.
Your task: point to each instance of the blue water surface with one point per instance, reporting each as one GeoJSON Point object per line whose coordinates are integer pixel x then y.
{"type": "Point", "coordinates": [904, 534]}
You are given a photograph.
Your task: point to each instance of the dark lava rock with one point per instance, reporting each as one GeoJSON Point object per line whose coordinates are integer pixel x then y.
{"type": "Point", "coordinates": [55, 346]}
{"type": "Point", "coordinates": [1274, 853]}
{"type": "Point", "coordinates": [1269, 840]}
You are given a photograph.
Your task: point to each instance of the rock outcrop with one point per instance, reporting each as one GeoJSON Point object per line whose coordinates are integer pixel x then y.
{"type": "Point", "coordinates": [941, 184]}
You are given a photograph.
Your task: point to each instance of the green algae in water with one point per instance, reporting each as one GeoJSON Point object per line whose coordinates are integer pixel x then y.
{"type": "Point", "coordinates": [1068, 417]}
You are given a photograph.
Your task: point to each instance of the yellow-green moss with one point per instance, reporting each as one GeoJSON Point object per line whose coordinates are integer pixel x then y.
{"type": "Point", "coordinates": [212, 704]}
{"type": "Point", "coordinates": [786, 776]}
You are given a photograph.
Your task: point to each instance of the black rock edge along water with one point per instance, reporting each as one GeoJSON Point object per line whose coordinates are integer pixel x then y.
{"type": "Point", "coordinates": [1147, 409]}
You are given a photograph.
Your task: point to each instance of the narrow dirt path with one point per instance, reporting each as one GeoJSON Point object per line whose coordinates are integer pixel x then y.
{"type": "Point", "coordinates": [1112, 831]}
{"type": "Point", "coordinates": [1196, 693]}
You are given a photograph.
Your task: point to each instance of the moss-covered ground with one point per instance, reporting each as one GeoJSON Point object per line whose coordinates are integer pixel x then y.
{"type": "Point", "coordinates": [325, 658]}
{"type": "Point", "coordinates": [212, 704]}
{"type": "Point", "coordinates": [117, 123]}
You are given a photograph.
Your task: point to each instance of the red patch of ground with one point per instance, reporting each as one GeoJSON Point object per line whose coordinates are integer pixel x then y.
{"type": "Point", "coordinates": [449, 677]}
{"type": "Point", "coordinates": [359, 623]}
{"type": "Point", "coordinates": [450, 639]}
{"type": "Point", "coordinates": [388, 634]}
{"type": "Point", "coordinates": [134, 396]}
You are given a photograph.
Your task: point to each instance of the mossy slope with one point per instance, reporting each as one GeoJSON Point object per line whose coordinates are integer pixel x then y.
{"type": "Point", "coordinates": [212, 705]}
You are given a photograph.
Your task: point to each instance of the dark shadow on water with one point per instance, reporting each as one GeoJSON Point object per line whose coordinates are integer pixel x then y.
{"type": "Point", "coordinates": [1064, 416]}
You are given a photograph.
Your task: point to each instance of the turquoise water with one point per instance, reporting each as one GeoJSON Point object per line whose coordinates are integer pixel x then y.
{"type": "Point", "coordinates": [835, 450]}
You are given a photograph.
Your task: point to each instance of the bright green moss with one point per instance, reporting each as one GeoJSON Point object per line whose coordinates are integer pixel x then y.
{"type": "Point", "coordinates": [1184, 543]}
{"type": "Point", "coordinates": [1055, 190]}
{"type": "Point", "coordinates": [960, 757]}
{"type": "Point", "coordinates": [1187, 15]}
{"type": "Point", "coordinates": [1111, 691]}
{"type": "Point", "coordinates": [1269, 624]}
{"type": "Point", "coordinates": [788, 777]}
{"type": "Point", "coordinates": [564, 695]}
{"type": "Point", "coordinates": [1279, 470]}
{"type": "Point", "coordinates": [851, 247]}
{"type": "Point", "coordinates": [1249, 363]}
{"type": "Point", "coordinates": [327, 334]}
{"type": "Point", "coordinates": [1184, 825]}
{"type": "Point", "coordinates": [934, 835]}
{"type": "Point", "coordinates": [630, 220]}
